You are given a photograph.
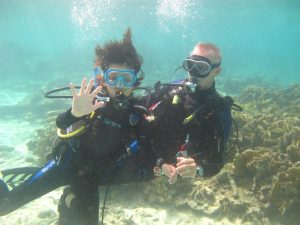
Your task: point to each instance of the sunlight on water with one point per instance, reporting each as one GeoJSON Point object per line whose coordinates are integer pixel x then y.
{"type": "Point", "coordinates": [83, 15]}
{"type": "Point", "coordinates": [173, 9]}
{"type": "Point", "coordinates": [87, 17]}
{"type": "Point", "coordinates": [92, 17]}
{"type": "Point", "coordinates": [177, 12]}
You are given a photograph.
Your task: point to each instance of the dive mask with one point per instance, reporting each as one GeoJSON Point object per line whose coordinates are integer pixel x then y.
{"type": "Point", "coordinates": [120, 78]}
{"type": "Point", "coordinates": [97, 71]}
{"type": "Point", "coordinates": [97, 76]}
{"type": "Point", "coordinates": [199, 66]}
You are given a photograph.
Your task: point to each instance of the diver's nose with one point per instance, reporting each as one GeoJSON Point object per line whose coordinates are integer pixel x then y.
{"type": "Point", "coordinates": [120, 84]}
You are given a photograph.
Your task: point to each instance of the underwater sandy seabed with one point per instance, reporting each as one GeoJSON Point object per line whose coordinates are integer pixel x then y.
{"type": "Point", "coordinates": [260, 183]}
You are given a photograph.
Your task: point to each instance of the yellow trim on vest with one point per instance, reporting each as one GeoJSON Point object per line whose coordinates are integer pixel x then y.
{"type": "Point", "coordinates": [61, 134]}
{"type": "Point", "coordinates": [176, 100]}
{"type": "Point", "coordinates": [188, 119]}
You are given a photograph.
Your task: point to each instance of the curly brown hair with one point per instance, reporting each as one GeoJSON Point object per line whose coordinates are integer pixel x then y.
{"type": "Point", "coordinates": [119, 52]}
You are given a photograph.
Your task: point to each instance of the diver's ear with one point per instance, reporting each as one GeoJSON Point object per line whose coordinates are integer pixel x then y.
{"type": "Point", "coordinates": [218, 70]}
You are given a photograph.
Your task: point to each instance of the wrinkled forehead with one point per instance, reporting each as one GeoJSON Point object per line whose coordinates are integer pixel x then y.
{"type": "Point", "coordinates": [201, 51]}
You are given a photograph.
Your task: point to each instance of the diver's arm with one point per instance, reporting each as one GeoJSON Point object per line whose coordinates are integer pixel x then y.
{"type": "Point", "coordinates": [66, 119]}
{"type": "Point", "coordinates": [208, 169]}
{"type": "Point", "coordinates": [195, 166]}
{"type": "Point", "coordinates": [214, 160]}
{"type": "Point", "coordinates": [206, 159]}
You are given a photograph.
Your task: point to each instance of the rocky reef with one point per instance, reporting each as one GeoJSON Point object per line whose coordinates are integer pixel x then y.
{"type": "Point", "coordinates": [268, 158]}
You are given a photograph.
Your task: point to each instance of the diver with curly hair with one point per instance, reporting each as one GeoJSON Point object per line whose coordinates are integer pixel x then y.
{"type": "Point", "coordinates": [101, 140]}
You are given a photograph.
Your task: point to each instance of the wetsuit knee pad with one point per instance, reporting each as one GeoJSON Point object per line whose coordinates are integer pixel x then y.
{"type": "Point", "coordinates": [65, 212]}
{"type": "Point", "coordinates": [78, 209]}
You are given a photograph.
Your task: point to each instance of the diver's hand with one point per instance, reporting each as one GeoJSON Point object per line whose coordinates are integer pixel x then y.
{"type": "Point", "coordinates": [83, 102]}
{"type": "Point", "coordinates": [186, 167]}
{"type": "Point", "coordinates": [170, 172]}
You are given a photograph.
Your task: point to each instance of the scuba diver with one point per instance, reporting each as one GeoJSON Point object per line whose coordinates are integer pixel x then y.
{"type": "Point", "coordinates": [190, 121]}
{"type": "Point", "coordinates": [101, 140]}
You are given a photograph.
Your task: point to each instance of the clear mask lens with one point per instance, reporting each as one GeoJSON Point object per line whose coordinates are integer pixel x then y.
{"type": "Point", "coordinates": [201, 68]}
{"type": "Point", "coordinates": [120, 78]}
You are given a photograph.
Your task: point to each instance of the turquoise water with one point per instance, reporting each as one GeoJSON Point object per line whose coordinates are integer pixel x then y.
{"type": "Point", "coordinates": [43, 40]}
{"type": "Point", "coordinates": [44, 44]}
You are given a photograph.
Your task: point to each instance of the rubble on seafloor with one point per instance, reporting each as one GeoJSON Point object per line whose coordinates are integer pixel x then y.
{"type": "Point", "coordinates": [261, 183]}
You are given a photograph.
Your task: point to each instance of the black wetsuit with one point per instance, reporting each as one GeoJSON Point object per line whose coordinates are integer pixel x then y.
{"type": "Point", "coordinates": [96, 157]}
{"type": "Point", "coordinates": [205, 135]}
